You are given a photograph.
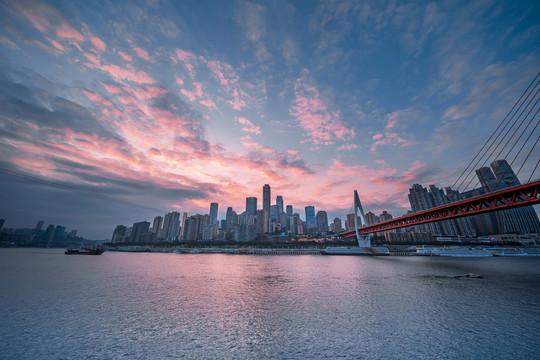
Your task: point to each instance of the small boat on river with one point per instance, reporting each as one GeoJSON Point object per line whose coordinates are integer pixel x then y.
{"type": "Point", "coordinates": [85, 251]}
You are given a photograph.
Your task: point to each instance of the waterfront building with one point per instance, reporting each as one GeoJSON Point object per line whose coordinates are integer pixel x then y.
{"type": "Point", "coordinates": [322, 221]}
{"type": "Point", "coordinates": [191, 228]}
{"type": "Point", "coordinates": [39, 225]}
{"type": "Point", "coordinates": [350, 222]}
{"type": "Point", "coordinates": [251, 206]}
{"type": "Point", "coordinates": [184, 218]}
{"type": "Point", "coordinates": [266, 197]}
{"type": "Point", "coordinates": [214, 212]}
{"type": "Point", "coordinates": [156, 227]}
{"type": "Point", "coordinates": [118, 234]}
{"type": "Point", "coordinates": [371, 218]}
{"type": "Point", "coordinates": [139, 228]}
{"type": "Point", "coordinates": [337, 225]}
{"type": "Point", "coordinates": [171, 226]}
{"type": "Point", "coordinates": [245, 233]}
{"type": "Point", "coordinates": [310, 217]}
{"type": "Point", "coordinates": [518, 220]}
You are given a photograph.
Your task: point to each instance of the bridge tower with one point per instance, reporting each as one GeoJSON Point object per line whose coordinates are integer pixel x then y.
{"type": "Point", "coordinates": [364, 241]}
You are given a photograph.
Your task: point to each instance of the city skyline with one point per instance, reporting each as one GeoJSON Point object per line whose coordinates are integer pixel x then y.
{"type": "Point", "coordinates": [173, 106]}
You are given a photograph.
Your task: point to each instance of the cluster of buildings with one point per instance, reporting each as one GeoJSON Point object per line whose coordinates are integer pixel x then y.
{"type": "Point", "coordinates": [276, 219]}
{"type": "Point", "coordinates": [39, 235]}
{"type": "Point", "coordinates": [499, 175]}
{"type": "Point", "coordinates": [279, 219]}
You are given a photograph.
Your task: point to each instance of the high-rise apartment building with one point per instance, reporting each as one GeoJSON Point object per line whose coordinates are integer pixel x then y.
{"type": "Point", "coordinates": [422, 199]}
{"type": "Point", "coordinates": [118, 234]}
{"type": "Point", "coordinates": [183, 225]}
{"type": "Point", "coordinates": [139, 229]}
{"type": "Point", "coordinates": [371, 218]}
{"type": "Point", "coordinates": [39, 225]}
{"type": "Point", "coordinates": [171, 226]}
{"type": "Point", "coordinates": [517, 220]}
{"type": "Point", "coordinates": [322, 221]}
{"type": "Point", "coordinates": [350, 222]}
{"type": "Point", "coordinates": [337, 225]}
{"type": "Point", "coordinates": [156, 227]}
{"type": "Point", "coordinates": [251, 206]}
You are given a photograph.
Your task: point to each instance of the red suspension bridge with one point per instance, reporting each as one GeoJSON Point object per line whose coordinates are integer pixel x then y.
{"type": "Point", "coordinates": [515, 138]}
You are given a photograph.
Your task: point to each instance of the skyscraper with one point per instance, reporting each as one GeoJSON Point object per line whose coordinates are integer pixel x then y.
{"type": "Point", "coordinates": [289, 210]}
{"type": "Point", "coordinates": [39, 225]}
{"type": "Point", "coordinates": [171, 226]}
{"type": "Point", "coordinates": [310, 217]}
{"type": "Point", "coordinates": [337, 225]}
{"type": "Point", "coordinates": [156, 227]}
{"type": "Point", "coordinates": [517, 220]}
{"type": "Point", "coordinates": [139, 229]}
{"type": "Point", "coordinates": [504, 173]}
{"type": "Point", "coordinates": [266, 198]}
{"type": "Point", "coordinates": [251, 206]}
{"type": "Point", "coordinates": [183, 225]}
{"type": "Point", "coordinates": [322, 221]}
{"type": "Point", "coordinates": [119, 233]}
{"type": "Point", "coordinates": [279, 203]}
{"type": "Point", "coordinates": [213, 212]}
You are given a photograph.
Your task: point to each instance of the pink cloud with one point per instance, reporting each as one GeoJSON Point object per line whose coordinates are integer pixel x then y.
{"type": "Point", "coordinates": [154, 91]}
{"type": "Point", "coordinates": [208, 103]}
{"type": "Point", "coordinates": [97, 98]}
{"type": "Point", "coordinates": [189, 94]}
{"type": "Point", "coordinates": [189, 60]}
{"type": "Point", "coordinates": [98, 43]}
{"type": "Point", "coordinates": [248, 126]}
{"type": "Point", "coordinates": [113, 89]}
{"type": "Point", "coordinates": [453, 113]}
{"type": "Point", "coordinates": [179, 81]}
{"type": "Point", "coordinates": [125, 56]}
{"type": "Point", "coordinates": [130, 74]}
{"type": "Point", "coordinates": [92, 58]}
{"type": "Point", "coordinates": [67, 32]}
{"type": "Point", "coordinates": [377, 136]}
{"type": "Point", "coordinates": [323, 126]}
{"type": "Point", "coordinates": [57, 45]}
{"type": "Point", "coordinates": [348, 146]}
{"type": "Point", "coordinates": [143, 54]}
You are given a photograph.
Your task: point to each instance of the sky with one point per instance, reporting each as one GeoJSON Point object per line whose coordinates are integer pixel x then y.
{"type": "Point", "coordinates": [116, 112]}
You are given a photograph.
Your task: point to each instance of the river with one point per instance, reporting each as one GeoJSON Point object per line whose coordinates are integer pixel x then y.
{"type": "Point", "coordinates": [217, 306]}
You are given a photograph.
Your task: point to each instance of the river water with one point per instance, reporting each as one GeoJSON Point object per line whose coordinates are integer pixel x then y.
{"type": "Point", "coordinates": [214, 306]}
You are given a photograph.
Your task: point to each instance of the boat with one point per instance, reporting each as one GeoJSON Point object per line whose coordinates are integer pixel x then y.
{"type": "Point", "coordinates": [85, 251]}
{"type": "Point", "coordinates": [457, 251]}
{"type": "Point", "coordinates": [515, 252]}
{"type": "Point", "coordinates": [356, 250]}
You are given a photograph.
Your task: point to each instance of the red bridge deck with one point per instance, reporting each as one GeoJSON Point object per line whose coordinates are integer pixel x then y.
{"type": "Point", "coordinates": [522, 195]}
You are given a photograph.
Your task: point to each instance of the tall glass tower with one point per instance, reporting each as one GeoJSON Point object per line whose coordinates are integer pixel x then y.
{"type": "Point", "coordinates": [266, 198]}
{"type": "Point", "coordinates": [279, 203]}
{"type": "Point", "coordinates": [251, 206]}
